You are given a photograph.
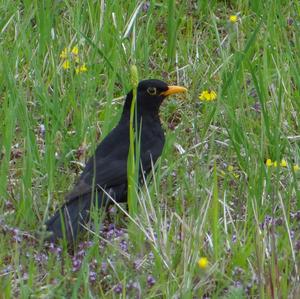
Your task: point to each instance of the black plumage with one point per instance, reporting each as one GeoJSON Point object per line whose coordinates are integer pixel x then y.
{"type": "Point", "coordinates": [107, 168]}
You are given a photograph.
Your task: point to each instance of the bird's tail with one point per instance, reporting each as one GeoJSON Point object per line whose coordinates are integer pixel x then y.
{"type": "Point", "coordinates": [70, 219]}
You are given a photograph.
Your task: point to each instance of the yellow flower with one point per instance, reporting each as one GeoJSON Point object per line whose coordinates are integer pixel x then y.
{"type": "Point", "coordinates": [283, 163]}
{"type": "Point", "coordinates": [208, 95]}
{"type": "Point", "coordinates": [75, 50]}
{"type": "Point", "coordinates": [233, 19]}
{"type": "Point", "coordinates": [81, 69]}
{"type": "Point", "coordinates": [64, 53]}
{"type": "Point", "coordinates": [202, 262]}
{"type": "Point", "coordinates": [235, 175]}
{"type": "Point", "coordinates": [230, 168]}
{"type": "Point", "coordinates": [66, 64]}
{"type": "Point", "coordinates": [296, 167]}
{"type": "Point", "coordinates": [275, 164]}
{"type": "Point", "coordinates": [269, 163]}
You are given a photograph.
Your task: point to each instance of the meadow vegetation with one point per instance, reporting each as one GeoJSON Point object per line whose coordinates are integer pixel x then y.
{"type": "Point", "coordinates": [220, 217]}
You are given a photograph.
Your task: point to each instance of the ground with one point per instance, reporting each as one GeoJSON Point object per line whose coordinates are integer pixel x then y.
{"type": "Point", "coordinates": [221, 216]}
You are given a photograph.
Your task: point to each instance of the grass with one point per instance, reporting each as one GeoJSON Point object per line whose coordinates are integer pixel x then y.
{"type": "Point", "coordinates": [244, 218]}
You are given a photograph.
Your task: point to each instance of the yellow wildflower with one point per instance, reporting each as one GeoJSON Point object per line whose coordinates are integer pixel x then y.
{"type": "Point", "coordinates": [269, 163]}
{"type": "Point", "coordinates": [230, 168]}
{"type": "Point", "coordinates": [66, 64]}
{"type": "Point", "coordinates": [235, 175]}
{"type": "Point", "coordinates": [296, 167]}
{"type": "Point", "coordinates": [202, 262]}
{"type": "Point", "coordinates": [64, 53]}
{"type": "Point", "coordinates": [283, 163]}
{"type": "Point", "coordinates": [208, 95]}
{"type": "Point", "coordinates": [275, 164]}
{"type": "Point", "coordinates": [75, 51]}
{"type": "Point", "coordinates": [233, 19]}
{"type": "Point", "coordinates": [81, 69]}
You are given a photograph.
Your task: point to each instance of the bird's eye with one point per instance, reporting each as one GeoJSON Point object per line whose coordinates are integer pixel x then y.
{"type": "Point", "coordinates": [151, 91]}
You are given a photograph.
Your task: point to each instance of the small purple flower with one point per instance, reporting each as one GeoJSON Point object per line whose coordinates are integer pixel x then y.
{"type": "Point", "coordinates": [119, 232]}
{"type": "Point", "coordinates": [146, 6]}
{"type": "Point", "coordinates": [118, 288]}
{"type": "Point", "coordinates": [237, 271]}
{"type": "Point", "coordinates": [267, 222]}
{"type": "Point", "coordinates": [237, 284]}
{"type": "Point", "coordinates": [104, 267]}
{"type": "Point", "coordinates": [112, 210]}
{"type": "Point", "coordinates": [150, 281]}
{"type": "Point", "coordinates": [54, 249]}
{"type": "Point", "coordinates": [268, 219]}
{"type": "Point", "coordinates": [84, 245]}
{"type": "Point", "coordinates": [110, 234]}
{"type": "Point", "coordinates": [92, 276]}
{"type": "Point", "coordinates": [41, 257]}
{"type": "Point", "coordinates": [151, 255]}
{"type": "Point", "coordinates": [137, 263]}
{"type": "Point", "coordinates": [234, 238]}
{"type": "Point", "coordinates": [76, 265]}
{"type": "Point", "coordinates": [292, 232]}
{"type": "Point", "coordinates": [42, 130]}
{"type": "Point", "coordinates": [80, 253]}
{"type": "Point", "coordinates": [111, 226]}
{"type": "Point", "coordinates": [124, 245]}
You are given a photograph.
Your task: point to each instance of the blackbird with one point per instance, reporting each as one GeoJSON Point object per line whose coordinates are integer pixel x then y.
{"type": "Point", "coordinates": [105, 174]}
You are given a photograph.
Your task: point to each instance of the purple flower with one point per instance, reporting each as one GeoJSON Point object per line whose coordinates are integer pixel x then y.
{"type": "Point", "coordinates": [123, 245]}
{"type": "Point", "coordinates": [234, 238]}
{"type": "Point", "coordinates": [92, 276]}
{"type": "Point", "coordinates": [41, 257]}
{"type": "Point", "coordinates": [119, 232]}
{"type": "Point", "coordinates": [80, 253]}
{"type": "Point", "coordinates": [42, 129]}
{"type": "Point", "coordinates": [54, 249]}
{"type": "Point", "coordinates": [76, 265]}
{"type": "Point", "coordinates": [104, 267]}
{"type": "Point", "coordinates": [137, 263]}
{"type": "Point", "coordinates": [84, 245]}
{"type": "Point", "coordinates": [111, 226]}
{"type": "Point", "coordinates": [151, 255]}
{"type": "Point", "coordinates": [118, 288]}
{"type": "Point", "coordinates": [237, 284]}
{"type": "Point", "coordinates": [150, 281]}
{"type": "Point", "coordinates": [146, 6]}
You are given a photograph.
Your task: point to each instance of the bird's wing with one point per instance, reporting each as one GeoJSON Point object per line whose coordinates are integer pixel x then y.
{"type": "Point", "coordinates": [111, 171]}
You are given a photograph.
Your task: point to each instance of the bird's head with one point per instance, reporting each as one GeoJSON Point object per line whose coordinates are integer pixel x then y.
{"type": "Point", "coordinates": [151, 93]}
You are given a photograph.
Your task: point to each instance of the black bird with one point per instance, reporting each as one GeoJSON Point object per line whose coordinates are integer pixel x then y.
{"type": "Point", "coordinates": [106, 171]}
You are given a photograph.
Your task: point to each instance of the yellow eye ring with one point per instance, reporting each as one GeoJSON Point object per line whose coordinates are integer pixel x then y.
{"type": "Point", "coordinates": [151, 90]}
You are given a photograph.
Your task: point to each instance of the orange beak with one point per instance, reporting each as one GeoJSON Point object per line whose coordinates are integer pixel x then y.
{"type": "Point", "coordinates": [172, 89]}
